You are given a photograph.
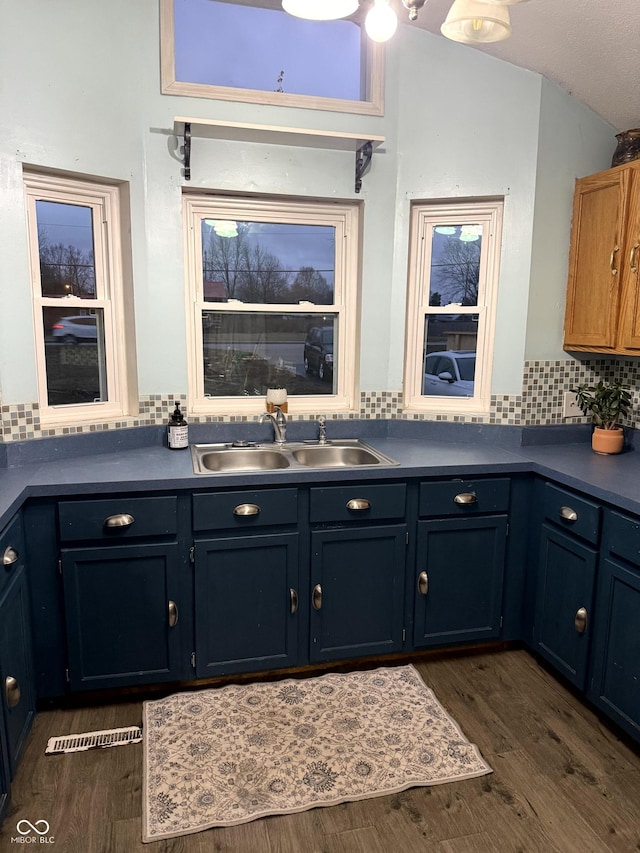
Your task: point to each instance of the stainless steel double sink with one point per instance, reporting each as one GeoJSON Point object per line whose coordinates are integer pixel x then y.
{"type": "Point", "coordinates": [246, 456]}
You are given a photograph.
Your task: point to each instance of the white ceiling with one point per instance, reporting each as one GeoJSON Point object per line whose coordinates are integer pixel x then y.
{"type": "Point", "coordinates": [591, 48]}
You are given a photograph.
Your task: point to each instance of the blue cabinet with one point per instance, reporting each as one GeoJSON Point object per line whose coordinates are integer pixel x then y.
{"type": "Point", "coordinates": [615, 682]}
{"type": "Point", "coordinates": [460, 561]}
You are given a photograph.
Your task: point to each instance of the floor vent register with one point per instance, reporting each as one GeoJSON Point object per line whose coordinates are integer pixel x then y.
{"type": "Point", "coordinates": [93, 740]}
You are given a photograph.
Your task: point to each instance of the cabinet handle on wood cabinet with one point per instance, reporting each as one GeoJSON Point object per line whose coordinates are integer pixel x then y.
{"type": "Point", "coordinates": [580, 620]}
{"type": "Point", "coordinates": [358, 504]}
{"type": "Point", "coordinates": [246, 509]}
{"type": "Point", "coordinates": [122, 519]}
{"type": "Point", "coordinates": [612, 267]}
{"type": "Point", "coordinates": [423, 583]}
{"type": "Point", "coordinates": [317, 597]}
{"type": "Point", "coordinates": [293, 600]}
{"type": "Point", "coordinates": [466, 498]}
{"type": "Point", "coordinates": [568, 514]}
{"type": "Point", "coordinates": [632, 257]}
{"type": "Point", "coordinates": [9, 557]}
{"type": "Point", "coordinates": [173, 614]}
{"type": "Point", "coordinates": [11, 691]}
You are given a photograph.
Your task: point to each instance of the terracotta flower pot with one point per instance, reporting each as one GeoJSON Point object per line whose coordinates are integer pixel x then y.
{"type": "Point", "coordinates": [607, 440]}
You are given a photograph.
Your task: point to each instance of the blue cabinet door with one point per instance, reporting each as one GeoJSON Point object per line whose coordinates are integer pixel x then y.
{"type": "Point", "coordinates": [5, 788]}
{"type": "Point", "coordinates": [564, 603]}
{"type": "Point", "coordinates": [246, 603]}
{"type": "Point", "coordinates": [615, 681]}
{"type": "Point", "coordinates": [458, 580]}
{"type": "Point", "coordinates": [122, 608]}
{"type": "Point", "coordinates": [357, 591]}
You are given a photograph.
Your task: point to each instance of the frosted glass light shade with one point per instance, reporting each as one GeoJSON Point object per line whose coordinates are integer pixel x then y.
{"type": "Point", "coordinates": [320, 10]}
{"type": "Point", "coordinates": [472, 22]}
{"type": "Point", "coordinates": [381, 21]}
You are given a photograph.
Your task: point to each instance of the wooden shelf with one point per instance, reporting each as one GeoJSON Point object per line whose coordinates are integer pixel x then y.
{"type": "Point", "coordinates": [363, 146]}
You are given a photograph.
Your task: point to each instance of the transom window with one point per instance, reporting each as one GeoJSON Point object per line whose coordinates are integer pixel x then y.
{"type": "Point", "coordinates": [453, 275]}
{"type": "Point", "coordinates": [272, 291]}
{"type": "Point", "coordinates": [255, 52]}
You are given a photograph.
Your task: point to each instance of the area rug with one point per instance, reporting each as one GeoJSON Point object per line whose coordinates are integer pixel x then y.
{"type": "Point", "coordinates": [233, 754]}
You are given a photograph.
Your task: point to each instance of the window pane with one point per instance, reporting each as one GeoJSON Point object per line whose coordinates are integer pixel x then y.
{"type": "Point", "coordinates": [248, 47]}
{"type": "Point", "coordinates": [450, 343]}
{"type": "Point", "coordinates": [75, 357]}
{"type": "Point", "coordinates": [65, 244]}
{"type": "Point", "coordinates": [267, 262]}
{"type": "Point", "coordinates": [455, 264]}
{"type": "Point", "coordinates": [244, 354]}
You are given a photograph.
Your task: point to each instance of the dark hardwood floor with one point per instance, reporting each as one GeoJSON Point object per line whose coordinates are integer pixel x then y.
{"type": "Point", "coordinates": [563, 781]}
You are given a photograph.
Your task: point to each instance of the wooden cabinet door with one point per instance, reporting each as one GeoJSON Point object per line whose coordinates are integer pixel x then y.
{"type": "Point", "coordinates": [565, 588]}
{"type": "Point", "coordinates": [357, 591]}
{"type": "Point", "coordinates": [459, 577]}
{"type": "Point", "coordinates": [121, 630]}
{"type": "Point", "coordinates": [246, 607]}
{"type": "Point", "coordinates": [615, 682]}
{"type": "Point", "coordinates": [630, 270]}
{"type": "Point", "coordinates": [595, 259]}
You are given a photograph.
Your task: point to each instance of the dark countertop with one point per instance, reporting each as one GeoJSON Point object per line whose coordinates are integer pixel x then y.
{"type": "Point", "coordinates": [612, 479]}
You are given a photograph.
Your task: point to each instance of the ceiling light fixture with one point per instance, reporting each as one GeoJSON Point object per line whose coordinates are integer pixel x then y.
{"type": "Point", "coordinates": [413, 6]}
{"type": "Point", "coordinates": [381, 21]}
{"type": "Point", "coordinates": [320, 10]}
{"type": "Point", "coordinates": [473, 22]}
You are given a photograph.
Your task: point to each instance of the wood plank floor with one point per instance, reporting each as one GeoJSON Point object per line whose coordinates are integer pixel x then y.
{"type": "Point", "coordinates": [562, 781]}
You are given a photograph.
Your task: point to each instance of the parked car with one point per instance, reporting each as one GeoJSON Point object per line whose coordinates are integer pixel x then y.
{"type": "Point", "coordinates": [450, 373]}
{"type": "Point", "coordinates": [74, 329]}
{"type": "Point", "coordinates": [318, 351]}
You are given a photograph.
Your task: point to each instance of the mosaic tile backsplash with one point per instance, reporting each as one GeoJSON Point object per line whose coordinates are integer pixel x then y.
{"type": "Point", "coordinates": [543, 387]}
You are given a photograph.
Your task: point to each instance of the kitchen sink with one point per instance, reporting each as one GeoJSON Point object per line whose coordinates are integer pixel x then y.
{"type": "Point", "coordinates": [243, 456]}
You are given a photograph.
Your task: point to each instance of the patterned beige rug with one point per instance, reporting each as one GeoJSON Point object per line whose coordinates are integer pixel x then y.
{"type": "Point", "coordinates": [233, 754]}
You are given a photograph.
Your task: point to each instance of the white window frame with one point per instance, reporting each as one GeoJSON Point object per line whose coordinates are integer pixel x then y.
{"type": "Point", "coordinates": [374, 73]}
{"type": "Point", "coordinates": [424, 218]}
{"type": "Point", "coordinates": [345, 218]}
{"type": "Point", "coordinates": [104, 201]}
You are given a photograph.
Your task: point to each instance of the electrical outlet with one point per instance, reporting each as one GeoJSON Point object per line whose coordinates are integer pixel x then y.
{"type": "Point", "coordinates": [570, 408]}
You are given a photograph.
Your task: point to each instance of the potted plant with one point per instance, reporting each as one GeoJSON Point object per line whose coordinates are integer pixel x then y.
{"type": "Point", "coordinates": [606, 404]}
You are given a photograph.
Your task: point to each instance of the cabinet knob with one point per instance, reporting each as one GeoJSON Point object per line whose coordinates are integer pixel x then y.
{"type": "Point", "coordinates": [358, 504]}
{"type": "Point", "coordinates": [316, 599]}
{"type": "Point", "coordinates": [466, 498]}
{"type": "Point", "coordinates": [612, 259]}
{"type": "Point", "coordinates": [293, 600]}
{"type": "Point", "coordinates": [173, 614]}
{"type": "Point", "coordinates": [11, 691]}
{"type": "Point", "coordinates": [245, 510]}
{"type": "Point", "coordinates": [10, 557]}
{"type": "Point", "coordinates": [580, 621]}
{"type": "Point", "coordinates": [122, 519]}
{"type": "Point", "coordinates": [423, 583]}
{"type": "Point", "coordinates": [632, 258]}
{"type": "Point", "coordinates": [568, 514]}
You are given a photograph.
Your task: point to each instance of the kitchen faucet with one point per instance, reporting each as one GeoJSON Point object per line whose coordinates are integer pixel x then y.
{"type": "Point", "coordinates": [279, 421]}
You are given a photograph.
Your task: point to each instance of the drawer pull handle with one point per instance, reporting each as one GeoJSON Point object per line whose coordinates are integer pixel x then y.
{"type": "Point", "coordinates": [358, 504]}
{"type": "Point", "coordinates": [632, 258]}
{"type": "Point", "coordinates": [173, 614]}
{"type": "Point", "coordinates": [246, 510]}
{"type": "Point", "coordinates": [423, 583]}
{"type": "Point", "coordinates": [122, 519]}
{"type": "Point", "coordinates": [466, 498]}
{"type": "Point", "coordinates": [580, 621]}
{"type": "Point", "coordinates": [317, 597]}
{"type": "Point", "coordinates": [612, 267]}
{"type": "Point", "coordinates": [11, 691]}
{"type": "Point", "coordinates": [10, 557]}
{"type": "Point", "coordinates": [568, 514]}
{"type": "Point", "coordinates": [293, 600]}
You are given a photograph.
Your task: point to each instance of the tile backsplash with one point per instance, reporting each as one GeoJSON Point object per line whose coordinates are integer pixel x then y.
{"type": "Point", "coordinates": [539, 403]}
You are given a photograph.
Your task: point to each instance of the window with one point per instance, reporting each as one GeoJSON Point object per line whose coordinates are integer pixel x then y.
{"type": "Point", "coordinates": [272, 289]}
{"type": "Point", "coordinates": [255, 52]}
{"type": "Point", "coordinates": [76, 273]}
{"type": "Point", "coordinates": [453, 275]}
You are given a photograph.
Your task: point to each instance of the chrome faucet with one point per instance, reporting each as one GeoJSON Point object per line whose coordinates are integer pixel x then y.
{"type": "Point", "coordinates": [322, 430]}
{"type": "Point", "coordinates": [279, 421]}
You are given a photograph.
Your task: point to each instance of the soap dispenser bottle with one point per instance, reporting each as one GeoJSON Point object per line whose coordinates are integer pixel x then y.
{"type": "Point", "coordinates": [177, 430]}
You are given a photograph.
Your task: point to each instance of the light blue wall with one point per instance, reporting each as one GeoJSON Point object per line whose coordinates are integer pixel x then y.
{"type": "Point", "coordinates": [81, 93]}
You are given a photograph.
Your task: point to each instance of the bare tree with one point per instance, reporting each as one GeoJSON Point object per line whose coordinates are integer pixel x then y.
{"type": "Point", "coordinates": [456, 271]}
{"type": "Point", "coordinates": [225, 259]}
{"type": "Point", "coordinates": [311, 285]}
{"type": "Point", "coordinates": [65, 270]}
{"type": "Point", "coordinates": [263, 279]}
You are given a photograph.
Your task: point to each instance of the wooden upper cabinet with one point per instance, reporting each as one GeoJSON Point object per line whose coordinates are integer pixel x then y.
{"type": "Point", "coordinates": [603, 295]}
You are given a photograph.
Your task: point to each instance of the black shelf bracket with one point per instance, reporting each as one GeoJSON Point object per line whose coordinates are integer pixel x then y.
{"type": "Point", "coordinates": [363, 161]}
{"type": "Point", "coordinates": [187, 150]}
